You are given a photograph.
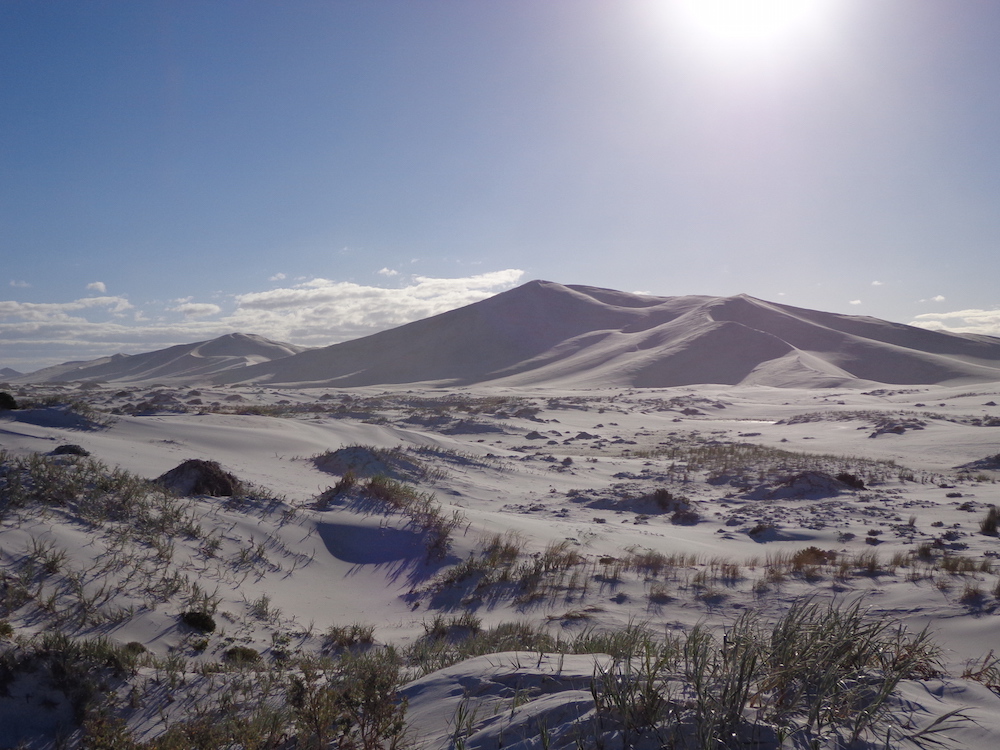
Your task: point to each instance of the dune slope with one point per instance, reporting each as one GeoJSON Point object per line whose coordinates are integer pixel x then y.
{"type": "Point", "coordinates": [543, 333]}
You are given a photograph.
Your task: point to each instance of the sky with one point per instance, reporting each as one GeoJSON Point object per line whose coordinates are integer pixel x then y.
{"type": "Point", "coordinates": [316, 171]}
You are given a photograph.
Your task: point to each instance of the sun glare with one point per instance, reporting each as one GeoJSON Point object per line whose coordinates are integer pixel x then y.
{"type": "Point", "coordinates": [739, 25]}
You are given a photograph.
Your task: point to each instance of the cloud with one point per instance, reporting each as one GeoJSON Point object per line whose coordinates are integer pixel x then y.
{"type": "Point", "coordinates": [276, 277]}
{"type": "Point", "coordinates": [317, 312]}
{"type": "Point", "coordinates": [320, 312]}
{"type": "Point", "coordinates": [19, 284]}
{"type": "Point", "coordinates": [196, 309]}
{"type": "Point", "coordinates": [854, 302]}
{"type": "Point", "coordinates": [34, 312]}
{"type": "Point", "coordinates": [878, 283]}
{"type": "Point", "coordinates": [97, 286]}
{"type": "Point", "coordinates": [961, 321]}
{"type": "Point", "coordinates": [388, 272]}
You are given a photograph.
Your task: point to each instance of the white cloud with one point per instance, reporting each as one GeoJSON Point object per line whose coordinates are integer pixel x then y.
{"type": "Point", "coordinates": [321, 311]}
{"type": "Point", "coordinates": [961, 321]}
{"type": "Point", "coordinates": [48, 311]}
{"type": "Point", "coordinates": [19, 284]}
{"type": "Point", "coordinates": [97, 286]}
{"type": "Point", "coordinates": [276, 277]}
{"type": "Point", "coordinates": [196, 309]}
{"type": "Point", "coordinates": [938, 298]}
{"type": "Point", "coordinates": [388, 272]}
{"type": "Point", "coordinates": [878, 283]}
{"type": "Point", "coordinates": [854, 302]}
{"type": "Point", "coordinates": [318, 312]}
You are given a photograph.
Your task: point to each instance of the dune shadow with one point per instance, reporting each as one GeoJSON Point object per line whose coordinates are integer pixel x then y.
{"type": "Point", "coordinates": [371, 545]}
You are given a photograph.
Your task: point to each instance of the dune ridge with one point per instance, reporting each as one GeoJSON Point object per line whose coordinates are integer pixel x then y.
{"type": "Point", "coordinates": [177, 364]}
{"type": "Point", "coordinates": [543, 333]}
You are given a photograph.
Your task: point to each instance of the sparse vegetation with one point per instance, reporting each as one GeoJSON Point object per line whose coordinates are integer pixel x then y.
{"type": "Point", "coordinates": [257, 677]}
{"type": "Point", "coordinates": [991, 522]}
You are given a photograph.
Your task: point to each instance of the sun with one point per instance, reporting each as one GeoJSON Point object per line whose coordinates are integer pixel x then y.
{"type": "Point", "coordinates": [747, 24]}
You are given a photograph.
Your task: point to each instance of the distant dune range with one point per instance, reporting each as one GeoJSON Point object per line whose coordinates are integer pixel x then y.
{"type": "Point", "coordinates": [548, 334]}
{"type": "Point", "coordinates": [196, 362]}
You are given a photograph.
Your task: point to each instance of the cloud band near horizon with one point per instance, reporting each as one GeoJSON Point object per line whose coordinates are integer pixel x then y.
{"type": "Point", "coordinates": [318, 312]}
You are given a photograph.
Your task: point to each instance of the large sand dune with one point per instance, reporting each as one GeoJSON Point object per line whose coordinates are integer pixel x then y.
{"type": "Point", "coordinates": [544, 333]}
{"type": "Point", "coordinates": [551, 335]}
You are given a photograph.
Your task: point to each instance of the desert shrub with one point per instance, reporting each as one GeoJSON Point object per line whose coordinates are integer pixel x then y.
{"type": "Point", "coordinates": [349, 636]}
{"type": "Point", "coordinates": [201, 621]}
{"type": "Point", "coordinates": [6, 630]}
{"type": "Point", "coordinates": [811, 556]}
{"type": "Point", "coordinates": [990, 523]}
{"type": "Point", "coordinates": [346, 483]}
{"type": "Point", "coordinates": [663, 499]}
{"type": "Point", "coordinates": [685, 517]}
{"type": "Point", "coordinates": [241, 655]}
{"type": "Point", "coordinates": [7, 402]}
{"type": "Point", "coordinates": [70, 449]}
{"type": "Point", "coordinates": [851, 480]}
{"type": "Point", "coordinates": [355, 706]}
{"type": "Point", "coordinates": [818, 671]}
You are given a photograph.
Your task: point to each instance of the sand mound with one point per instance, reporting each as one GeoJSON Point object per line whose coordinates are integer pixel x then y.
{"type": "Point", "coordinates": [808, 485]}
{"type": "Point", "coordinates": [198, 477]}
{"type": "Point", "coordinates": [368, 461]}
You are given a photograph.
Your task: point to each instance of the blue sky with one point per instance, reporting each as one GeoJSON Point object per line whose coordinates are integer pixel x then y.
{"type": "Point", "coordinates": [315, 171]}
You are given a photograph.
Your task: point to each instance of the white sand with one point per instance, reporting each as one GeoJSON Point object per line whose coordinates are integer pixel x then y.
{"type": "Point", "coordinates": [346, 564]}
{"type": "Point", "coordinates": [544, 434]}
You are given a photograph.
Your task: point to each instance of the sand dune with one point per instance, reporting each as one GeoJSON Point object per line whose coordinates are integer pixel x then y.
{"type": "Point", "coordinates": [548, 334]}
{"type": "Point", "coordinates": [544, 333]}
{"type": "Point", "coordinates": [182, 363]}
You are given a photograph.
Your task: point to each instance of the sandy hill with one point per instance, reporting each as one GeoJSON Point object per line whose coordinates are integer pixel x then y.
{"type": "Point", "coordinates": [182, 363]}
{"type": "Point", "coordinates": [543, 333]}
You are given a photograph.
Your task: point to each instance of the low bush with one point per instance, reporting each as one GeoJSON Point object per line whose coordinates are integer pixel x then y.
{"type": "Point", "coordinates": [990, 523]}
{"type": "Point", "coordinates": [201, 621]}
{"type": "Point", "coordinates": [241, 655]}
